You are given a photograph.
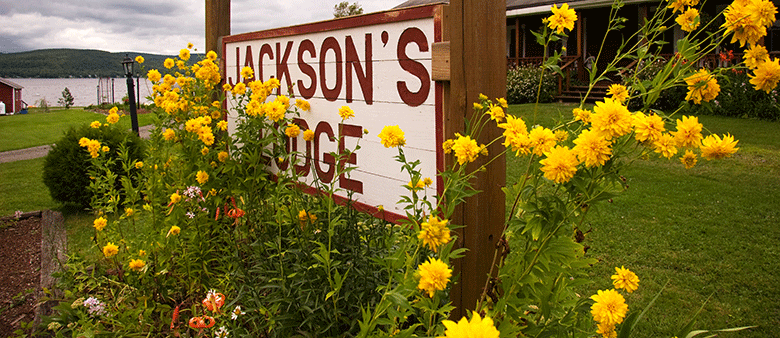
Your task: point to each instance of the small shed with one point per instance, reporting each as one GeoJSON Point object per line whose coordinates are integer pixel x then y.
{"type": "Point", "coordinates": [11, 96]}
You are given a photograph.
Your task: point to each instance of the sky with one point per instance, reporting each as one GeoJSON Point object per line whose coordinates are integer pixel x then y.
{"type": "Point", "coordinates": [146, 26]}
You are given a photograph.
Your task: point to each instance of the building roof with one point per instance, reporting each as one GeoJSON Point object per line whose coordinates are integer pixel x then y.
{"type": "Point", "coordinates": [10, 84]}
{"type": "Point", "coordinates": [520, 7]}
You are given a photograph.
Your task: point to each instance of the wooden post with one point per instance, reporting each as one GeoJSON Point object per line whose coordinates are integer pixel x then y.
{"type": "Point", "coordinates": [217, 24]}
{"type": "Point", "coordinates": [476, 30]}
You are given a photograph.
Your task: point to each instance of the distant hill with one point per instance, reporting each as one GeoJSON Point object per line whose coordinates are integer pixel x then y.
{"type": "Point", "coordinates": [78, 63]}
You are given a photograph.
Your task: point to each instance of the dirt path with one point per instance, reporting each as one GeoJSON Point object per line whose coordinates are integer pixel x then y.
{"type": "Point", "coordinates": [41, 151]}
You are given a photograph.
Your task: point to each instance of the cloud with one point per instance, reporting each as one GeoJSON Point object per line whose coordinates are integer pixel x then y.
{"type": "Point", "coordinates": [145, 26]}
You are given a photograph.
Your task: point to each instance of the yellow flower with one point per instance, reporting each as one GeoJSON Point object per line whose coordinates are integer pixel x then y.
{"type": "Point", "coordinates": [105, 149]}
{"type": "Point", "coordinates": [609, 308]}
{"type": "Point", "coordinates": [129, 212]}
{"type": "Point", "coordinates": [688, 132]}
{"type": "Point", "coordinates": [689, 159]}
{"type": "Point", "coordinates": [222, 156]}
{"type": "Point", "coordinates": [189, 45]}
{"type": "Point", "coordinates": [239, 89]}
{"type": "Point", "coordinates": [677, 5]}
{"type": "Point", "coordinates": [110, 249]}
{"type": "Point", "coordinates": [303, 216]}
{"type": "Point", "coordinates": [648, 128]}
{"type": "Point", "coordinates": [496, 113]}
{"type": "Point", "coordinates": [434, 233]}
{"type": "Point", "coordinates": [688, 20]}
{"type": "Point", "coordinates": [416, 186]}
{"type": "Point", "coordinates": [247, 72]}
{"type": "Point", "coordinates": [284, 100]}
{"type": "Point", "coordinates": [701, 87]}
{"type": "Point", "coordinates": [292, 130]}
{"type": "Point", "coordinates": [502, 102]}
{"type": "Point", "coordinates": [541, 139]}
{"type": "Point", "coordinates": [302, 105]}
{"type": "Point", "coordinates": [755, 55]}
{"type": "Point", "coordinates": [184, 54]}
{"type": "Point", "coordinates": [169, 134]}
{"type": "Point", "coordinates": [175, 230]}
{"type": "Point", "coordinates": [581, 115]}
{"type": "Point", "coordinates": [748, 20]}
{"type": "Point", "coordinates": [211, 55]}
{"type": "Point", "coordinates": [434, 276]}
{"type": "Point", "coordinates": [516, 135]}
{"type": "Point", "coordinates": [447, 146]}
{"type": "Point", "coordinates": [482, 97]}
{"type": "Point", "coordinates": [136, 265]}
{"type": "Point", "coordinates": [562, 18]}
{"type": "Point", "coordinates": [392, 136]}
{"type": "Point", "coordinates": [169, 63]}
{"type": "Point", "coordinates": [766, 75]}
{"type": "Point", "coordinates": [95, 124]}
{"type": "Point", "coordinates": [625, 279]}
{"type": "Point", "coordinates": [202, 176]}
{"type": "Point", "coordinates": [714, 147]}
{"type": "Point", "coordinates": [476, 328]}
{"type": "Point", "coordinates": [346, 112]}
{"type": "Point", "coordinates": [611, 118]}
{"type": "Point", "coordinates": [222, 125]}
{"type": "Point", "coordinates": [141, 253]}
{"type": "Point", "coordinates": [308, 135]}
{"type": "Point", "coordinates": [427, 181]}
{"type": "Point", "coordinates": [465, 149]}
{"type": "Point", "coordinates": [274, 111]}
{"type": "Point", "coordinates": [665, 145]}
{"type": "Point", "coordinates": [561, 135]}
{"type": "Point", "coordinates": [560, 164]}
{"type": "Point", "coordinates": [478, 106]}
{"type": "Point", "coordinates": [175, 198]}
{"type": "Point", "coordinates": [606, 330]}
{"type": "Point", "coordinates": [139, 59]}
{"type": "Point", "coordinates": [618, 92]}
{"type": "Point", "coordinates": [100, 223]}
{"type": "Point", "coordinates": [204, 151]}
{"type": "Point", "coordinates": [112, 118]}
{"type": "Point", "coordinates": [139, 165]}
{"type": "Point", "coordinates": [592, 149]}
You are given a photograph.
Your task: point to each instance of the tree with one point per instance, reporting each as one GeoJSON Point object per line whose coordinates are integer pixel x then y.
{"type": "Point", "coordinates": [66, 99]}
{"type": "Point", "coordinates": [344, 9]}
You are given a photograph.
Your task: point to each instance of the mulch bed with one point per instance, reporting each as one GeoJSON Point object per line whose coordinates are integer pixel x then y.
{"type": "Point", "coordinates": [20, 267]}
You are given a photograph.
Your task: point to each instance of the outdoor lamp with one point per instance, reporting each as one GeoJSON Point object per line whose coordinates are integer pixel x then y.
{"type": "Point", "coordinates": [127, 64]}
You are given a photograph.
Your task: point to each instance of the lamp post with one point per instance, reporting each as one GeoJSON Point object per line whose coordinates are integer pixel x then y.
{"type": "Point", "coordinates": [127, 63]}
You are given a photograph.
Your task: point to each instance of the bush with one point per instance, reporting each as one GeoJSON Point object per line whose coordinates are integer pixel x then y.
{"type": "Point", "coordinates": [522, 84]}
{"type": "Point", "coordinates": [66, 167]}
{"type": "Point", "coordinates": [668, 100]}
{"type": "Point", "coordinates": [738, 98]}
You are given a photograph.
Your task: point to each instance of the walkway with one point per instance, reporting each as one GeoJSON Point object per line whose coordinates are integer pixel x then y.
{"type": "Point", "coordinates": [41, 151]}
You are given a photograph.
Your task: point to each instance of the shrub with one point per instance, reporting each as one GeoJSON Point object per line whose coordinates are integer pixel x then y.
{"type": "Point", "coordinates": [522, 84]}
{"type": "Point", "coordinates": [738, 98]}
{"type": "Point", "coordinates": [66, 167]}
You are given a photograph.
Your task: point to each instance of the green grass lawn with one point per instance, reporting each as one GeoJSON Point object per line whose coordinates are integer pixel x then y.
{"type": "Point", "coordinates": [710, 231]}
{"type": "Point", "coordinates": [39, 128]}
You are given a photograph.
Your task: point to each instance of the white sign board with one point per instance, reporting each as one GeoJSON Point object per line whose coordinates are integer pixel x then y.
{"type": "Point", "coordinates": [377, 64]}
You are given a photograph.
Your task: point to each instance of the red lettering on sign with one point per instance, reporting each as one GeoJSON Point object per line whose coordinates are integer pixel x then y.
{"type": "Point", "coordinates": [413, 35]}
{"type": "Point", "coordinates": [344, 182]}
{"type": "Point", "coordinates": [307, 92]}
{"type": "Point", "coordinates": [326, 176]}
{"type": "Point", "coordinates": [264, 50]}
{"type": "Point", "coordinates": [365, 77]}
{"type": "Point", "coordinates": [282, 71]}
{"type": "Point", "coordinates": [302, 170]}
{"type": "Point", "coordinates": [330, 43]}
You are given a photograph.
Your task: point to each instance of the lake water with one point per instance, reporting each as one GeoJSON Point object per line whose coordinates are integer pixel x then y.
{"type": "Point", "coordinates": [85, 91]}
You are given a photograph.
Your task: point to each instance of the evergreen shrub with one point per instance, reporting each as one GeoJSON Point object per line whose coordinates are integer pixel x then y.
{"type": "Point", "coordinates": [66, 167]}
{"type": "Point", "coordinates": [522, 84]}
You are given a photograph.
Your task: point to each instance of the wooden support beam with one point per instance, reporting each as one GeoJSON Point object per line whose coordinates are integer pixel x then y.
{"type": "Point", "coordinates": [217, 24]}
{"type": "Point", "coordinates": [476, 30]}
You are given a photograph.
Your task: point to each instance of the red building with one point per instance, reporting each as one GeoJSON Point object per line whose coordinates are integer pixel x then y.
{"type": "Point", "coordinates": [11, 96]}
